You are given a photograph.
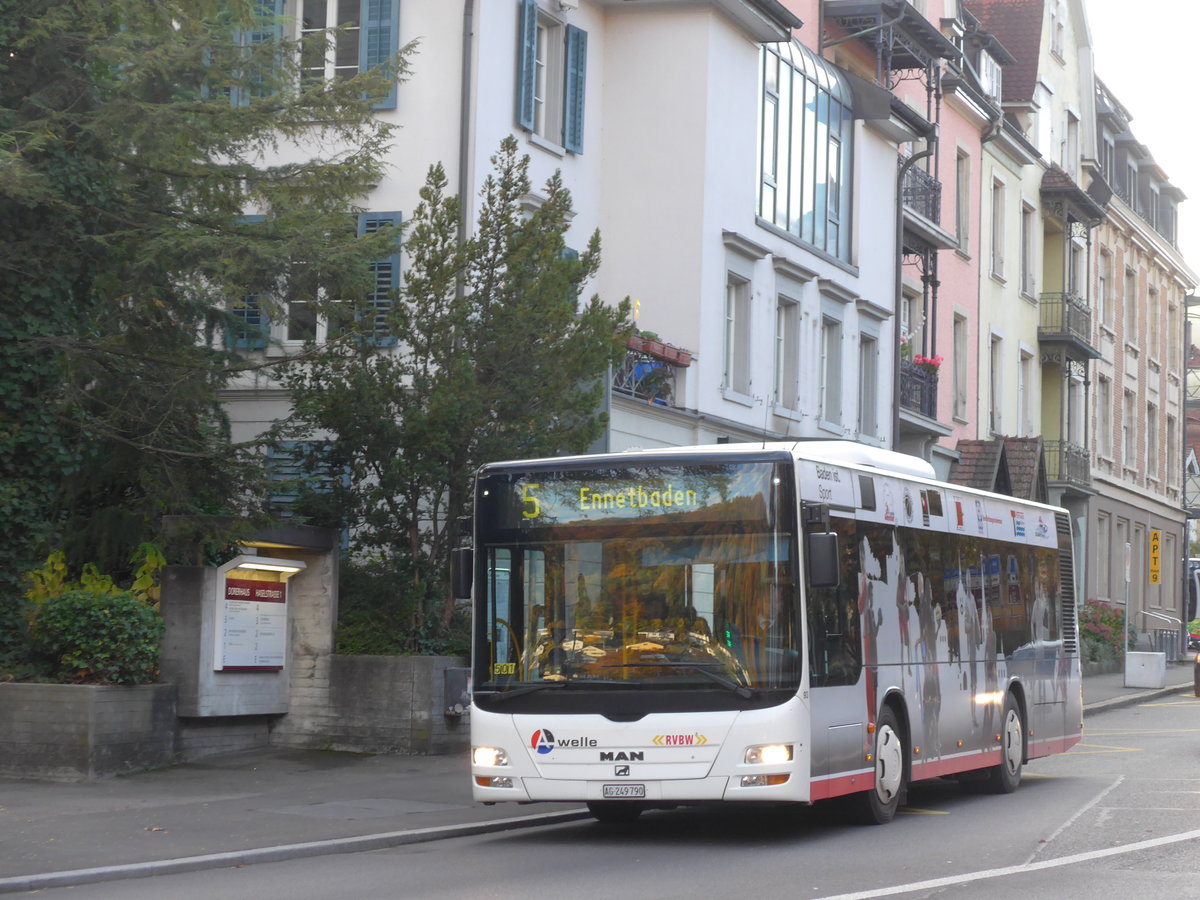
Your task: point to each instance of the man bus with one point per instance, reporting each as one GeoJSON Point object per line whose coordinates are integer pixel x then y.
{"type": "Point", "coordinates": [765, 622]}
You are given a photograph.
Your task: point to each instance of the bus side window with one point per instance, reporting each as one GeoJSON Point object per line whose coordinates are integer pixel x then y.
{"type": "Point", "coordinates": [835, 638]}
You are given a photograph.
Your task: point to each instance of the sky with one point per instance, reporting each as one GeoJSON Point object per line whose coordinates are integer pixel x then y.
{"type": "Point", "coordinates": [1146, 52]}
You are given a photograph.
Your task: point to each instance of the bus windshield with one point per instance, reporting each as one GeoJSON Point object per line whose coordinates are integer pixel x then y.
{"type": "Point", "coordinates": [655, 575]}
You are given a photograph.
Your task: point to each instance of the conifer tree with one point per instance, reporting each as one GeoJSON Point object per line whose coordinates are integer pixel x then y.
{"type": "Point", "coordinates": [162, 163]}
{"type": "Point", "coordinates": [495, 357]}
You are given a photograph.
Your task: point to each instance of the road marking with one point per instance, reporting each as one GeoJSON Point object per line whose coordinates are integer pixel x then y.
{"type": "Point", "coordinates": [967, 878]}
{"type": "Point", "coordinates": [913, 811]}
{"type": "Point", "coordinates": [1078, 750]}
{"type": "Point", "coordinates": [1126, 733]}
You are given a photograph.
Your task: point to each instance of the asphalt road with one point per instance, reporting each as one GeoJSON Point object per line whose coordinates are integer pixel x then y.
{"type": "Point", "coordinates": [1117, 816]}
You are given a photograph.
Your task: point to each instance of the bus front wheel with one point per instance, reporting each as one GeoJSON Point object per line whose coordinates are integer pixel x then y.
{"type": "Point", "coordinates": [878, 805]}
{"type": "Point", "coordinates": [1004, 778]}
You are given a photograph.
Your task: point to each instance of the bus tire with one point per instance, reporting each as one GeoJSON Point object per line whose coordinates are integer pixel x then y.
{"type": "Point", "coordinates": [878, 805]}
{"type": "Point", "coordinates": [1004, 778]}
{"type": "Point", "coordinates": [614, 812]}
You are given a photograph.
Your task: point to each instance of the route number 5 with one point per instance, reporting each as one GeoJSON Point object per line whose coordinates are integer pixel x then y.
{"type": "Point", "coordinates": [533, 508]}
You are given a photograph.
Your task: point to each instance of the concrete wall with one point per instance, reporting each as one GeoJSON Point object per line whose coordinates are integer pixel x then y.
{"type": "Point", "coordinates": [376, 704]}
{"type": "Point", "coordinates": [73, 732]}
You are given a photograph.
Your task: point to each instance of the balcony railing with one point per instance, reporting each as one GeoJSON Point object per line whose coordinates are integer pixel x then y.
{"type": "Point", "coordinates": [922, 193]}
{"type": "Point", "coordinates": [644, 377]}
{"type": "Point", "coordinates": [1067, 463]}
{"type": "Point", "coordinates": [918, 388]}
{"type": "Point", "coordinates": [1066, 317]}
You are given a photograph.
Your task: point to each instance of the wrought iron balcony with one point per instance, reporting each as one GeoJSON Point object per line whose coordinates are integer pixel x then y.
{"type": "Point", "coordinates": [1066, 318]}
{"type": "Point", "coordinates": [1067, 463]}
{"type": "Point", "coordinates": [922, 193]}
{"type": "Point", "coordinates": [918, 388]}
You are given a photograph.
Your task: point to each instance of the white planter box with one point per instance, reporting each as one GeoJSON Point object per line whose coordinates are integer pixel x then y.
{"type": "Point", "coordinates": [1146, 670]}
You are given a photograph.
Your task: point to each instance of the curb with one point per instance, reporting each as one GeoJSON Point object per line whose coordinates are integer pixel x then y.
{"type": "Point", "coordinates": [1133, 699]}
{"type": "Point", "coordinates": [230, 859]}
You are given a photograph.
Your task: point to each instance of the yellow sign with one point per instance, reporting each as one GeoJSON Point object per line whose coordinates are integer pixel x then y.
{"type": "Point", "coordinates": [1155, 557]}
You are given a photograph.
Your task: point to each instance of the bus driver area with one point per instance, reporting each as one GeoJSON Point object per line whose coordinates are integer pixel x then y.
{"type": "Point", "coordinates": [783, 622]}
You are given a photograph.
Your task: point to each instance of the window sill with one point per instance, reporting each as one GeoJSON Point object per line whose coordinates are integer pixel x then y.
{"type": "Point", "coordinates": [737, 397]}
{"type": "Point", "coordinates": [786, 412]}
{"type": "Point", "coordinates": [549, 146]}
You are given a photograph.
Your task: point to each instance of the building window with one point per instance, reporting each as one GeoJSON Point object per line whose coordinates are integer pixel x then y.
{"type": "Point", "coordinates": [340, 38]}
{"type": "Point", "coordinates": [990, 77]}
{"type": "Point", "coordinates": [1173, 463]}
{"type": "Point", "coordinates": [1153, 323]}
{"type": "Point", "coordinates": [1128, 432]}
{"type": "Point", "coordinates": [551, 78]}
{"type": "Point", "coordinates": [787, 353]}
{"type": "Point", "coordinates": [1108, 160]}
{"type": "Point", "coordinates": [1104, 300]}
{"type": "Point", "coordinates": [868, 386]}
{"type": "Point", "coordinates": [737, 335]}
{"type": "Point", "coordinates": [1070, 144]}
{"type": "Point", "coordinates": [807, 153]}
{"type": "Point", "coordinates": [1058, 29]}
{"type": "Point", "coordinates": [961, 336]}
{"type": "Point", "coordinates": [1104, 418]}
{"type": "Point", "coordinates": [1025, 395]}
{"type": "Point", "coordinates": [995, 385]}
{"type": "Point", "coordinates": [831, 371]}
{"type": "Point", "coordinates": [1152, 440]}
{"type": "Point", "coordinates": [1076, 409]}
{"type": "Point", "coordinates": [997, 260]}
{"type": "Point", "coordinates": [962, 201]}
{"type": "Point", "coordinates": [1173, 346]}
{"type": "Point", "coordinates": [1130, 301]}
{"type": "Point", "coordinates": [1028, 221]}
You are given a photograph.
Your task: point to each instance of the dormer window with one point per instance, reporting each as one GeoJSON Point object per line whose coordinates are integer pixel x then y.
{"type": "Point", "coordinates": [990, 76]}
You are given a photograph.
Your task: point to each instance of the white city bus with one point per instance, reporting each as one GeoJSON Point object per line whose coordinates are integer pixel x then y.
{"type": "Point", "coordinates": [770, 622]}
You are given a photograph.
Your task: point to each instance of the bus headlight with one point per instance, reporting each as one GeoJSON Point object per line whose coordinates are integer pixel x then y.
{"type": "Point", "coordinates": [769, 754]}
{"type": "Point", "coordinates": [489, 756]}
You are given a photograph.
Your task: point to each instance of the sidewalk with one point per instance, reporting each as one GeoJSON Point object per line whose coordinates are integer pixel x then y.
{"type": "Point", "coordinates": [274, 804]}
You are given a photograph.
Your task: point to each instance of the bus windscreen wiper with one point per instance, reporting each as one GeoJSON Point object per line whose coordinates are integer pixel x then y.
{"type": "Point", "coordinates": [542, 685]}
{"type": "Point", "coordinates": [703, 668]}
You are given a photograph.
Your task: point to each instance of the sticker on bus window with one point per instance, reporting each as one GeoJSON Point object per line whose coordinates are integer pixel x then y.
{"type": "Point", "coordinates": [504, 668]}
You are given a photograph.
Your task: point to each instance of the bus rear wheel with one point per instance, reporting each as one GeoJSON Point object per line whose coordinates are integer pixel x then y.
{"type": "Point", "coordinates": [614, 812]}
{"type": "Point", "coordinates": [1004, 778]}
{"type": "Point", "coordinates": [878, 806]}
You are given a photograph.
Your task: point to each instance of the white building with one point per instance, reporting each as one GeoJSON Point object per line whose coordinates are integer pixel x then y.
{"type": "Point", "coordinates": [744, 189]}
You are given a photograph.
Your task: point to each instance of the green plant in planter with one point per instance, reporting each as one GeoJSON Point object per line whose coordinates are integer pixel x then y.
{"type": "Point", "coordinates": [1102, 630]}
{"type": "Point", "coordinates": [98, 638]}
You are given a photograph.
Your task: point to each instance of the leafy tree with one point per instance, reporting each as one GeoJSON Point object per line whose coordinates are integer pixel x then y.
{"type": "Point", "coordinates": [135, 137]}
{"type": "Point", "coordinates": [496, 358]}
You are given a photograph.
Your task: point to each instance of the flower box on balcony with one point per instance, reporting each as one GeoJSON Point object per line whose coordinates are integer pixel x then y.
{"type": "Point", "coordinates": [668, 353]}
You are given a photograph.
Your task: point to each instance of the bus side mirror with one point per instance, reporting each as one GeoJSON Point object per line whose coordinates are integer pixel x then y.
{"type": "Point", "coordinates": [823, 568]}
{"type": "Point", "coordinates": [462, 561]}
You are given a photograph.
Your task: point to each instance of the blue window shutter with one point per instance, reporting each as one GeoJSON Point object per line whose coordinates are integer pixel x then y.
{"type": "Point", "coordinates": [573, 94]}
{"type": "Point", "coordinates": [380, 41]}
{"type": "Point", "coordinates": [386, 273]}
{"type": "Point", "coordinates": [527, 64]}
{"type": "Point", "coordinates": [269, 28]}
{"type": "Point", "coordinates": [248, 327]}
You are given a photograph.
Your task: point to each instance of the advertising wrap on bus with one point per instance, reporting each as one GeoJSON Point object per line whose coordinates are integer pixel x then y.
{"type": "Point", "coordinates": [780, 622]}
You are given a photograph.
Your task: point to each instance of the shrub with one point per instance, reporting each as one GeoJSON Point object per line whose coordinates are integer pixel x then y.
{"type": "Point", "coordinates": [96, 638]}
{"type": "Point", "coordinates": [1102, 629]}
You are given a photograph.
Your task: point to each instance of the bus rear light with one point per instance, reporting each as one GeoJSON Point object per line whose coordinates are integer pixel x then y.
{"type": "Point", "coordinates": [488, 781]}
{"type": "Point", "coordinates": [763, 780]}
{"type": "Point", "coordinates": [769, 754]}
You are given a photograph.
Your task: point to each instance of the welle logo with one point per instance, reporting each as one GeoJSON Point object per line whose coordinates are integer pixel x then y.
{"type": "Point", "coordinates": [543, 742]}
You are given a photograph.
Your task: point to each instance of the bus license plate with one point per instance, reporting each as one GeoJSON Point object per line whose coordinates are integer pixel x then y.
{"type": "Point", "coordinates": [624, 791]}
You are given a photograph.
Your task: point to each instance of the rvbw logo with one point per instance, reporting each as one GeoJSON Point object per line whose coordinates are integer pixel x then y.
{"type": "Point", "coordinates": [542, 741]}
